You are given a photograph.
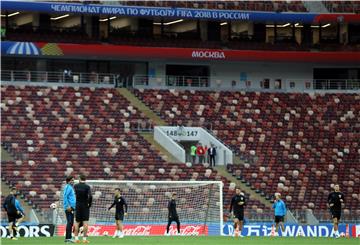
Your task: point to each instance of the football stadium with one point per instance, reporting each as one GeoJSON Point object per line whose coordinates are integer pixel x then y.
{"type": "Point", "coordinates": [180, 122]}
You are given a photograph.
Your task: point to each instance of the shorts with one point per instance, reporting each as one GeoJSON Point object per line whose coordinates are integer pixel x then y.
{"type": "Point", "coordinates": [119, 216]}
{"type": "Point", "coordinates": [279, 219]}
{"type": "Point", "coordinates": [82, 214]}
{"type": "Point", "coordinates": [239, 215]}
{"type": "Point", "coordinates": [12, 217]}
{"type": "Point", "coordinates": [173, 218]}
{"type": "Point", "coordinates": [335, 214]}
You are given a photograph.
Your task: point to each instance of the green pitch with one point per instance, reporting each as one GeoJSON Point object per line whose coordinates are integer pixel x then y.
{"type": "Point", "coordinates": [210, 240]}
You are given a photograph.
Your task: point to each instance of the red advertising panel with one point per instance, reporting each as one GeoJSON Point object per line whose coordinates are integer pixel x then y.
{"type": "Point", "coordinates": [356, 231]}
{"type": "Point", "coordinates": [136, 52]}
{"type": "Point", "coordinates": [141, 230]}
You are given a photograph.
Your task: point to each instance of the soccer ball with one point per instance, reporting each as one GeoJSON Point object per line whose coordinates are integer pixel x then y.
{"type": "Point", "coordinates": [342, 234]}
{"type": "Point", "coordinates": [105, 233]}
{"type": "Point", "coordinates": [53, 205]}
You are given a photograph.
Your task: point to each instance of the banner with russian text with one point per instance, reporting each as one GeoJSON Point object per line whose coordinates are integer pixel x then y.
{"type": "Point", "coordinates": [167, 12]}
{"type": "Point", "coordinates": [68, 50]}
{"type": "Point", "coordinates": [322, 230]}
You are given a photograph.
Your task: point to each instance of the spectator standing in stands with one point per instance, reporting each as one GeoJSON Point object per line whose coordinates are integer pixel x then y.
{"type": "Point", "coordinates": [212, 154]}
{"type": "Point", "coordinates": [193, 154]}
{"type": "Point", "coordinates": [200, 152]}
{"type": "Point", "coordinates": [67, 75]}
{"type": "Point", "coordinates": [206, 158]}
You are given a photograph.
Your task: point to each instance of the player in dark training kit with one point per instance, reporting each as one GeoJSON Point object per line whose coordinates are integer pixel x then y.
{"type": "Point", "coordinates": [121, 208]}
{"type": "Point", "coordinates": [173, 215]}
{"type": "Point", "coordinates": [335, 200]}
{"type": "Point", "coordinates": [14, 211]}
{"type": "Point", "coordinates": [237, 210]}
{"type": "Point", "coordinates": [82, 210]}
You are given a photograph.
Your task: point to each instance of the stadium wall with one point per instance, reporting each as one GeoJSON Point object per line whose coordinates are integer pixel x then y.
{"type": "Point", "coordinates": [227, 72]}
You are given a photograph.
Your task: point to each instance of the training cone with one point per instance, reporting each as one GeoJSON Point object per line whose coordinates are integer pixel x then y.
{"type": "Point", "coordinates": [272, 231]}
{"type": "Point", "coordinates": [347, 233]}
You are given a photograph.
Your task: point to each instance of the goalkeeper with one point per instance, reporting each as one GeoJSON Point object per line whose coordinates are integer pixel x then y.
{"type": "Point", "coordinates": [121, 208]}
{"type": "Point", "coordinates": [173, 216]}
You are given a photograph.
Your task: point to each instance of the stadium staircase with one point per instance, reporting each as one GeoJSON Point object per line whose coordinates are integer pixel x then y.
{"type": "Point", "coordinates": [148, 136]}
{"type": "Point", "coordinates": [5, 188]}
{"type": "Point", "coordinates": [141, 106]}
{"type": "Point", "coordinates": [222, 170]}
{"type": "Point", "coordinates": [5, 156]}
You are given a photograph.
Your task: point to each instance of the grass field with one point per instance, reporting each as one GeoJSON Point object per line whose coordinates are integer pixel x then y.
{"type": "Point", "coordinates": [209, 240]}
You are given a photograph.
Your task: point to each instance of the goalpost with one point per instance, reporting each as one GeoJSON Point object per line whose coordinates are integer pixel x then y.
{"type": "Point", "coordinates": [199, 205]}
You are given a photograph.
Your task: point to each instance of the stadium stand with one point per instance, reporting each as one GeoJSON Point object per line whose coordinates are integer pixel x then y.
{"type": "Point", "coordinates": [298, 144]}
{"type": "Point", "coordinates": [61, 35]}
{"type": "Point", "coordinates": [73, 130]}
{"type": "Point", "coordinates": [3, 212]}
{"type": "Point", "coordinates": [342, 6]}
{"type": "Point", "coordinates": [288, 38]}
{"type": "Point", "coordinates": [281, 6]}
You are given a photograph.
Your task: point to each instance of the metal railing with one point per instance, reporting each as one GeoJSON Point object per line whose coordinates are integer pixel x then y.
{"type": "Point", "coordinates": [173, 81]}
{"type": "Point", "coordinates": [178, 82]}
{"type": "Point", "coordinates": [336, 84]}
{"type": "Point", "coordinates": [207, 83]}
{"type": "Point", "coordinates": [59, 77]}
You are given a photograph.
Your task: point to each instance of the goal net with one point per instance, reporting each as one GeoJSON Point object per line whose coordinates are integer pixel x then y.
{"type": "Point", "coordinates": [199, 205]}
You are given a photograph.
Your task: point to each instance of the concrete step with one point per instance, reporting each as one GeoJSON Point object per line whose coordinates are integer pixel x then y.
{"type": "Point", "coordinates": [141, 106]}
{"type": "Point", "coordinates": [5, 191]}
{"type": "Point", "coordinates": [5, 156]}
{"type": "Point", "coordinates": [242, 186]}
{"type": "Point", "coordinates": [149, 137]}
